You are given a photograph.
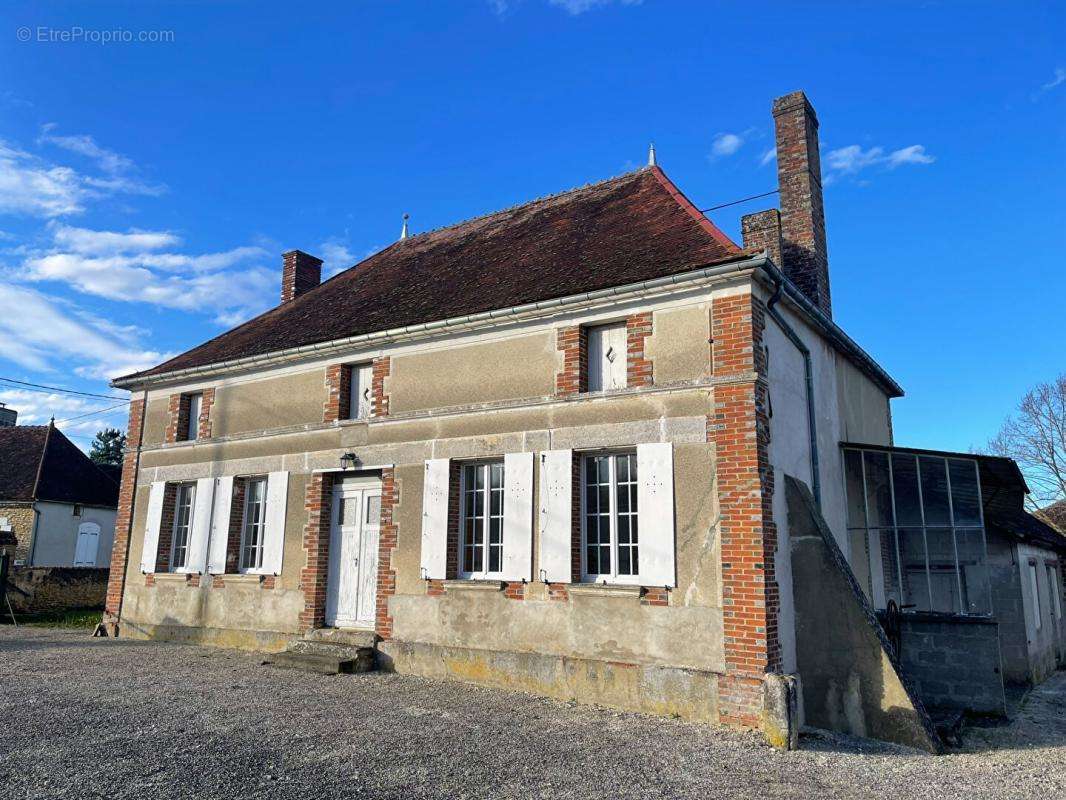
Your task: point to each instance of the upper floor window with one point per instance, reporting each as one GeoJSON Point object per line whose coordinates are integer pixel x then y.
{"type": "Point", "coordinates": [182, 528]}
{"type": "Point", "coordinates": [361, 395]}
{"type": "Point", "coordinates": [607, 355]}
{"type": "Point", "coordinates": [610, 517]}
{"type": "Point", "coordinates": [196, 403]}
{"type": "Point", "coordinates": [916, 530]}
{"type": "Point", "coordinates": [253, 527]}
{"type": "Point", "coordinates": [482, 489]}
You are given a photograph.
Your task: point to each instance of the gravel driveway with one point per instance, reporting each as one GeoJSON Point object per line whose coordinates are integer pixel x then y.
{"type": "Point", "coordinates": [85, 718]}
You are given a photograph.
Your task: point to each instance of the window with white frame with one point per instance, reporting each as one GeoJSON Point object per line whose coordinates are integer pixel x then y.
{"type": "Point", "coordinates": [610, 548]}
{"type": "Point", "coordinates": [482, 487]}
{"type": "Point", "coordinates": [916, 528]}
{"type": "Point", "coordinates": [607, 353]}
{"type": "Point", "coordinates": [192, 432]}
{"type": "Point", "coordinates": [253, 527]}
{"type": "Point", "coordinates": [1034, 588]}
{"type": "Point", "coordinates": [184, 495]}
{"type": "Point", "coordinates": [360, 398]}
{"type": "Point", "coordinates": [1054, 589]}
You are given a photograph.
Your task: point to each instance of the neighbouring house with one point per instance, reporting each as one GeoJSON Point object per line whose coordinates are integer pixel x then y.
{"type": "Point", "coordinates": [55, 504]}
{"type": "Point", "coordinates": [588, 447]}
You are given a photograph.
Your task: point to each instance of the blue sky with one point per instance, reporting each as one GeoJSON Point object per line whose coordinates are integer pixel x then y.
{"type": "Point", "coordinates": [147, 189]}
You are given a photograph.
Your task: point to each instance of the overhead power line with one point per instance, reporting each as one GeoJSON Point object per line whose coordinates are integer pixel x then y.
{"type": "Point", "coordinates": [92, 413]}
{"type": "Point", "coordinates": [738, 202]}
{"type": "Point", "coordinates": [38, 387]}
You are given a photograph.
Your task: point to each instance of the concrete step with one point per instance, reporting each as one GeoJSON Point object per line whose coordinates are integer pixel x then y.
{"type": "Point", "coordinates": [321, 663]}
{"type": "Point", "coordinates": [350, 637]}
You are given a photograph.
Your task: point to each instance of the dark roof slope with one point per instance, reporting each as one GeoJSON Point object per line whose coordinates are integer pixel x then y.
{"type": "Point", "coordinates": [625, 230]}
{"type": "Point", "coordinates": [37, 462]}
{"type": "Point", "coordinates": [21, 448]}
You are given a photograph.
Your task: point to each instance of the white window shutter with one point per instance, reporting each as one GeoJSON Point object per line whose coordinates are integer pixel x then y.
{"type": "Point", "coordinates": [518, 516]}
{"type": "Point", "coordinates": [216, 549]}
{"type": "Point", "coordinates": [556, 501]}
{"type": "Point", "coordinates": [361, 399]}
{"type": "Point", "coordinates": [201, 525]}
{"type": "Point", "coordinates": [655, 509]}
{"type": "Point", "coordinates": [277, 498]}
{"type": "Point", "coordinates": [435, 518]}
{"type": "Point", "coordinates": [607, 357]}
{"type": "Point", "coordinates": [151, 528]}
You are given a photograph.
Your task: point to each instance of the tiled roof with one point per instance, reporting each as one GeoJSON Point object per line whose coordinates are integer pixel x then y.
{"type": "Point", "coordinates": [625, 230]}
{"type": "Point", "coordinates": [41, 464]}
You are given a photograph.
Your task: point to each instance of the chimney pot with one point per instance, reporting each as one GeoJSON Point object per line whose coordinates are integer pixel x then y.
{"type": "Point", "coordinates": [300, 272]}
{"type": "Point", "coordinates": [804, 257]}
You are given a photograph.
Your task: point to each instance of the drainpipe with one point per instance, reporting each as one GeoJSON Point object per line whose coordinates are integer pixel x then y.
{"type": "Point", "coordinates": [812, 425]}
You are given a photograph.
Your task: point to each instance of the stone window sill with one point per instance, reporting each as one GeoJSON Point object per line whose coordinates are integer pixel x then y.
{"type": "Point", "coordinates": [463, 584]}
{"type": "Point", "coordinates": [605, 590]}
{"type": "Point", "coordinates": [250, 578]}
{"type": "Point", "coordinates": [172, 577]}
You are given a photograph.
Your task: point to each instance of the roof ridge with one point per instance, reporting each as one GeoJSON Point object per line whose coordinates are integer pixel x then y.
{"type": "Point", "coordinates": [516, 206]}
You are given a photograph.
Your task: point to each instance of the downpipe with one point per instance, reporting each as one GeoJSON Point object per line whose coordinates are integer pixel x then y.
{"type": "Point", "coordinates": [808, 370]}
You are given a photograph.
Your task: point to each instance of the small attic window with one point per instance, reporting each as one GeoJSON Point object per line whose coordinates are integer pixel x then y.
{"type": "Point", "coordinates": [75, 510]}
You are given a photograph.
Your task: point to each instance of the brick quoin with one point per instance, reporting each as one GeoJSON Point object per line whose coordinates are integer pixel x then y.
{"type": "Point", "coordinates": [739, 429]}
{"type": "Point", "coordinates": [120, 549]}
{"type": "Point", "coordinates": [382, 368]}
{"type": "Point", "coordinates": [572, 341]}
{"type": "Point", "coordinates": [203, 424]}
{"type": "Point", "coordinates": [339, 389]}
{"type": "Point", "coordinates": [318, 502]}
{"type": "Point", "coordinates": [638, 367]}
{"type": "Point", "coordinates": [177, 418]}
{"type": "Point", "coordinates": [387, 542]}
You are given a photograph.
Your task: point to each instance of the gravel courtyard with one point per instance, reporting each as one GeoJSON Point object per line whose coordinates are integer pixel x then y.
{"type": "Point", "coordinates": [86, 718]}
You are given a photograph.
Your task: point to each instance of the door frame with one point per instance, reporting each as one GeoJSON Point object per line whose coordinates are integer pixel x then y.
{"type": "Point", "coordinates": [363, 487]}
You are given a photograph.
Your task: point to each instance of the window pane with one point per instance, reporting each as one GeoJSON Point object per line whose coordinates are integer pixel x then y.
{"type": "Point", "coordinates": [878, 490]}
{"type": "Point", "coordinates": [905, 486]}
{"type": "Point", "coordinates": [976, 590]}
{"type": "Point", "coordinates": [855, 492]}
{"type": "Point", "coordinates": [915, 580]}
{"type": "Point", "coordinates": [943, 577]}
{"type": "Point", "coordinates": [935, 490]}
{"type": "Point", "coordinates": [373, 510]}
{"type": "Point", "coordinates": [496, 502]}
{"type": "Point", "coordinates": [965, 497]}
{"type": "Point", "coordinates": [623, 499]}
{"type": "Point", "coordinates": [497, 476]}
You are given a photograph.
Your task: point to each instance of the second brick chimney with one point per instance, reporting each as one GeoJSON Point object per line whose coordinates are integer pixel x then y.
{"type": "Point", "coordinates": [300, 272]}
{"type": "Point", "coordinates": [799, 179]}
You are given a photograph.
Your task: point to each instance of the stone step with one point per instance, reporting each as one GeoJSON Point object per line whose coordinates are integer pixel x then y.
{"type": "Point", "coordinates": [351, 637]}
{"type": "Point", "coordinates": [320, 663]}
{"type": "Point", "coordinates": [314, 647]}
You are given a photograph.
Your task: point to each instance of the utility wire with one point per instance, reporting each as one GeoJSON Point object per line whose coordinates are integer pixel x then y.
{"type": "Point", "coordinates": [37, 387]}
{"type": "Point", "coordinates": [738, 202]}
{"type": "Point", "coordinates": [91, 413]}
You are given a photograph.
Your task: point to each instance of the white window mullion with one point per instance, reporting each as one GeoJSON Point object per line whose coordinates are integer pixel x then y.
{"type": "Point", "coordinates": [612, 462]}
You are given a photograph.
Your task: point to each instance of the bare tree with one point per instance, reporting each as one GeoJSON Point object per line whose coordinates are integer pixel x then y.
{"type": "Point", "coordinates": [1035, 437]}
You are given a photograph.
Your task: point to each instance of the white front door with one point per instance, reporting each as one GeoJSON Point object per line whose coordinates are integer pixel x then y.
{"type": "Point", "coordinates": [351, 587]}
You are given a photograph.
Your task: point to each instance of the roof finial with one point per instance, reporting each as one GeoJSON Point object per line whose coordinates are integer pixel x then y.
{"type": "Point", "coordinates": [403, 231]}
{"type": "Point", "coordinates": [651, 154]}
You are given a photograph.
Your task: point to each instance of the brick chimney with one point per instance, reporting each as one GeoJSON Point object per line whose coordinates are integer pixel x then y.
{"type": "Point", "coordinates": [300, 272]}
{"type": "Point", "coordinates": [799, 178]}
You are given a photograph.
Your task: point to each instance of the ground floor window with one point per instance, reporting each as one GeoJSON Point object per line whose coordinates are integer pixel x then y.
{"type": "Point", "coordinates": [916, 529]}
{"type": "Point", "coordinates": [482, 489]}
{"type": "Point", "coordinates": [182, 529]}
{"type": "Point", "coordinates": [610, 533]}
{"type": "Point", "coordinates": [253, 528]}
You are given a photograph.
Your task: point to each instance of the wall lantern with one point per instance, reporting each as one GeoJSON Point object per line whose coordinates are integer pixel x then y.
{"type": "Point", "coordinates": [349, 460]}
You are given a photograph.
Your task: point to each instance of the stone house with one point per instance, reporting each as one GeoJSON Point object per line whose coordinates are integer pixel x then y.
{"type": "Point", "coordinates": [57, 508]}
{"type": "Point", "coordinates": [580, 447]}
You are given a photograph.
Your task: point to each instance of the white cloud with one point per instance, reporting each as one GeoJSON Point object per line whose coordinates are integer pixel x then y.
{"type": "Point", "coordinates": [1057, 80]}
{"type": "Point", "coordinates": [108, 160]}
{"type": "Point", "coordinates": [768, 156]}
{"type": "Point", "coordinates": [144, 266]}
{"type": "Point", "coordinates": [854, 159]}
{"type": "Point", "coordinates": [46, 333]}
{"type": "Point", "coordinates": [575, 7]}
{"type": "Point", "coordinates": [336, 257]}
{"type": "Point", "coordinates": [32, 186]}
{"type": "Point", "coordinates": [726, 144]}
